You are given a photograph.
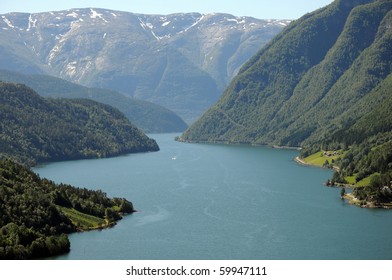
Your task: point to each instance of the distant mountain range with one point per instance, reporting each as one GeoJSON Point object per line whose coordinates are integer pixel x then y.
{"type": "Point", "coordinates": [180, 61]}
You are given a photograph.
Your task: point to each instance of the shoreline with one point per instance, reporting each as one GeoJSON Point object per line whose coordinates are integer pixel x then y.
{"type": "Point", "coordinates": [108, 224]}
{"type": "Point", "coordinates": [349, 197]}
{"type": "Point", "coordinates": [224, 142]}
{"type": "Point", "coordinates": [302, 162]}
{"type": "Point", "coordinates": [352, 200]}
{"type": "Point", "coordinates": [286, 148]}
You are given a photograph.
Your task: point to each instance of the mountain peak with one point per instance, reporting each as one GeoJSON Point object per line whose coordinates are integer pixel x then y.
{"type": "Point", "coordinates": [181, 61]}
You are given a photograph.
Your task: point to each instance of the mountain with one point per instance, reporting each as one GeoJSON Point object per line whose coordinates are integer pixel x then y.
{"type": "Point", "coordinates": [35, 129]}
{"type": "Point", "coordinates": [312, 80]}
{"type": "Point", "coordinates": [149, 117]}
{"type": "Point", "coordinates": [323, 84]}
{"type": "Point", "coordinates": [180, 61]}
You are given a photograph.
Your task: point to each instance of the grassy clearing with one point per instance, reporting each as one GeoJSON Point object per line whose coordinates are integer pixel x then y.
{"type": "Point", "coordinates": [81, 220]}
{"type": "Point", "coordinates": [363, 183]}
{"type": "Point", "coordinates": [319, 158]}
{"type": "Point", "coordinates": [351, 179]}
{"type": "Point", "coordinates": [366, 181]}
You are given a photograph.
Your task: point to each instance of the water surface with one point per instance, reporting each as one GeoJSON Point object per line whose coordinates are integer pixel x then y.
{"type": "Point", "coordinates": [204, 201]}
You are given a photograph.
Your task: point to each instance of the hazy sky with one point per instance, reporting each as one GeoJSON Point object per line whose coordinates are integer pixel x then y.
{"type": "Point", "coordinates": [263, 9]}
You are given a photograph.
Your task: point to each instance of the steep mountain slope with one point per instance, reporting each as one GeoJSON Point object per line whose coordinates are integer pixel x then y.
{"type": "Point", "coordinates": [34, 129]}
{"type": "Point", "coordinates": [149, 117]}
{"type": "Point", "coordinates": [368, 141]}
{"type": "Point", "coordinates": [325, 84]}
{"type": "Point", "coordinates": [378, 122]}
{"type": "Point", "coordinates": [312, 80]}
{"type": "Point", "coordinates": [181, 61]}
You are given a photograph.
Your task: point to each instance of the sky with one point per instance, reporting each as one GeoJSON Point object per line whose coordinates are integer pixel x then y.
{"type": "Point", "coordinates": [262, 9]}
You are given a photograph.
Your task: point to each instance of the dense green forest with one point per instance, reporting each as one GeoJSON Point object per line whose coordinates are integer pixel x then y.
{"type": "Point", "coordinates": [36, 214]}
{"type": "Point", "coordinates": [308, 81]}
{"type": "Point", "coordinates": [149, 117]}
{"type": "Point", "coordinates": [34, 129]}
{"type": "Point", "coordinates": [368, 145]}
{"type": "Point", "coordinates": [324, 83]}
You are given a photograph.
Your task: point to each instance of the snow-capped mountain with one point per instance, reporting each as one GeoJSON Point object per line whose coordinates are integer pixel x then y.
{"type": "Point", "coordinates": [181, 61]}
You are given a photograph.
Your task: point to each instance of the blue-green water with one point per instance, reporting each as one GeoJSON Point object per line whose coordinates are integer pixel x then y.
{"type": "Point", "coordinates": [200, 201]}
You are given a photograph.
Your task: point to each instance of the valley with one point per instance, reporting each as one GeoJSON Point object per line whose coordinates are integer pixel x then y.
{"type": "Point", "coordinates": [243, 108]}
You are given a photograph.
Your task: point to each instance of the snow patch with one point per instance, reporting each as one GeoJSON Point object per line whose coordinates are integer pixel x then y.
{"type": "Point", "coordinates": [94, 14]}
{"type": "Point", "coordinates": [159, 37]}
{"type": "Point", "coordinates": [53, 53]}
{"type": "Point", "coordinates": [32, 23]}
{"type": "Point", "coordinates": [71, 68]}
{"type": "Point", "coordinates": [104, 36]}
{"type": "Point", "coordinates": [156, 37]}
{"type": "Point", "coordinates": [8, 22]}
{"type": "Point", "coordinates": [236, 20]}
{"type": "Point", "coordinates": [232, 19]}
{"type": "Point", "coordinates": [196, 23]}
{"type": "Point", "coordinates": [282, 23]}
{"type": "Point", "coordinates": [113, 14]}
{"type": "Point", "coordinates": [142, 24]}
{"type": "Point", "coordinates": [151, 27]}
{"type": "Point", "coordinates": [73, 14]}
{"type": "Point", "coordinates": [166, 23]}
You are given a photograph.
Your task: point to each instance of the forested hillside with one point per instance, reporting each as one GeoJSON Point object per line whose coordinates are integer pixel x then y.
{"type": "Point", "coordinates": [36, 214]}
{"type": "Point", "coordinates": [149, 117]}
{"type": "Point", "coordinates": [300, 86]}
{"type": "Point", "coordinates": [34, 129]}
{"type": "Point", "coordinates": [324, 83]}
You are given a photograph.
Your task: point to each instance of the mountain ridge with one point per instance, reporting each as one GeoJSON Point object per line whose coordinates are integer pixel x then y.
{"type": "Point", "coordinates": [149, 117]}
{"type": "Point", "coordinates": [137, 54]}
